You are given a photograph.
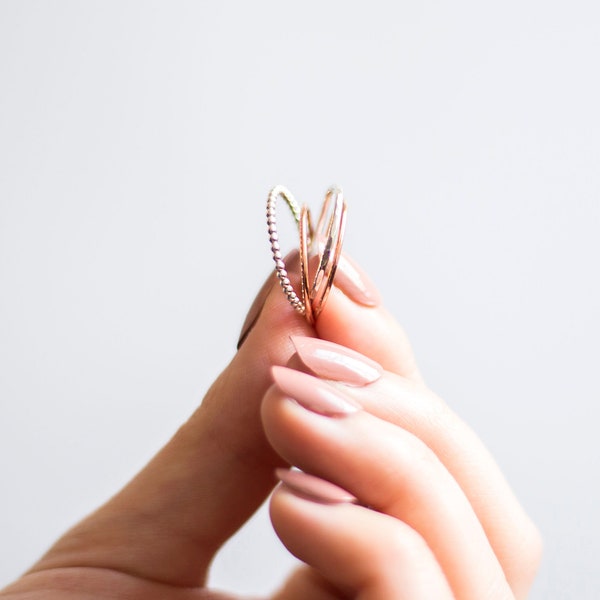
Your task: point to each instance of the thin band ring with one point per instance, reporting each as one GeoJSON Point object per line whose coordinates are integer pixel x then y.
{"type": "Point", "coordinates": [329, 236]}
{"type": "Point", "coordinates": [325, 242]}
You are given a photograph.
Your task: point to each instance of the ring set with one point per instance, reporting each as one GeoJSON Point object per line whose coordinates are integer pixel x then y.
{"type": "Point", "coordinates": [323, 241]}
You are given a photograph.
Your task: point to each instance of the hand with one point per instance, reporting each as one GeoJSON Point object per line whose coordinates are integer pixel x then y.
{"type": "Point", "coordinates": [424, 512]}
{"type": "Point", "coordinates": [157, 537]}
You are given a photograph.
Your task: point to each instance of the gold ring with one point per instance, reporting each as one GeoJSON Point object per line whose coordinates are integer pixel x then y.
{"type": "Point", "coordinates": [324, 241]}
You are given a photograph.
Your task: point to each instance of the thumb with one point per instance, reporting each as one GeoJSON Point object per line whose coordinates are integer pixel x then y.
{"type": "Point", "coordinates": [169, 521]}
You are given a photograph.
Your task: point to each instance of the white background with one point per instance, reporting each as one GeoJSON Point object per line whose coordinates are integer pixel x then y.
{"type": "Point", "coordinates": [138, 141]}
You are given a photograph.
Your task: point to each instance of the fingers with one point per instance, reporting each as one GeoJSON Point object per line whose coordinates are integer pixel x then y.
{"type": "Point", "coordinates": [170, 520]}
{"type": "Point", "coordinates": [364, 554]}
{"type": "Point", "coordinates": [513, 536]}
{"type": "Point", "coordinates": [386, 468]}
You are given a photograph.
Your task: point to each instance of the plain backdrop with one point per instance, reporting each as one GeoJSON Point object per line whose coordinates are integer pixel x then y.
{"type": "Point", "coordinates": [138, 142]}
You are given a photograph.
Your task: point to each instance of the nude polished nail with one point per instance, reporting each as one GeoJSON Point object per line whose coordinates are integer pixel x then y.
{"type": "Point", "coordinates": [312, 393]}
{"type": "Point", "coordinates": [332, 361]}
{"type": "Point", "coordinates": [313, 488]}
{"type": "Point", "coordinates": [355, 283]}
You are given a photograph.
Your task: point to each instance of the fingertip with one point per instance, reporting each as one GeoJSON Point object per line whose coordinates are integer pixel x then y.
{"type": "Point", "coordinates": [351, 279]}
{"type": "Point", "coordinates": [371, 331]}
{"type": "Point", "coordinates": [358, 550]}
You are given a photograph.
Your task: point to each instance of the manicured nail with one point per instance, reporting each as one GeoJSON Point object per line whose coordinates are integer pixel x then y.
{"type": "Point", "coordinates": [355, 283]}
{"type": "Point", "coordinates": [332, 361]}
{"type": "Point", "coordinates": [259, 302]}
{"type": "Point", "coordinates": [313, 488]}
{"type": "Point", "coordinates": [312, 393]}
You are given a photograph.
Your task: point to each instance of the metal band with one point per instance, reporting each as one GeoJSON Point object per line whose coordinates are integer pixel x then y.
{"type": "Point", "coordinates": [280, 269]}
{"type": "Point", "coordinates": [325, 242]}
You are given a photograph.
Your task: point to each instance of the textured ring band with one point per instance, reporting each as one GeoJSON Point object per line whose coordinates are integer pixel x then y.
{"type": "Point", "coordinates": [280, 268]}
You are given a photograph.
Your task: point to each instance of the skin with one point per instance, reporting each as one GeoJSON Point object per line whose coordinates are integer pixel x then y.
{"type": "Point", "coordinates": [441, 521]}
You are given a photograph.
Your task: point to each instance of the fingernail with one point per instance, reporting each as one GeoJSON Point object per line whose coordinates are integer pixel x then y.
{"type": "Point", "coordinates": [332, 361]}
{"type": "Point", "coordinates": [259, 302]}
{"type": "Point", "coordinates": [312, 393]}
{"type": "Point", "coordinates": [313, 488]}
{"type": "Point", "coordinates": [355, 283]}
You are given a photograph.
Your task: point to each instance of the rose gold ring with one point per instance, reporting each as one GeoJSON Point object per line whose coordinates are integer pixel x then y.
{"type": "Point", "coordinates": [324, 242]}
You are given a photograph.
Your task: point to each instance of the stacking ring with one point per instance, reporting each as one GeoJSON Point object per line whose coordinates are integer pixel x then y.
{"type": "Point", "coordinates": [324, 242]}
